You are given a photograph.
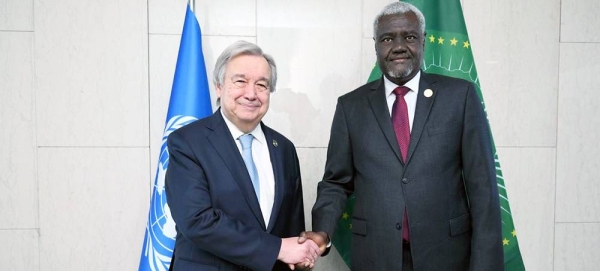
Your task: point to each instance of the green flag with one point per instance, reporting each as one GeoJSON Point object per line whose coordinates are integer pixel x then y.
{"type": "Point", "coordinates": [447, 52]}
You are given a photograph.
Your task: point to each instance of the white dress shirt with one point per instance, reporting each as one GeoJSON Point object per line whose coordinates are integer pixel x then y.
{"type": "Point", "coordinates": [410, 97]}
{"type": "Point", "coordinates": [262, 160]}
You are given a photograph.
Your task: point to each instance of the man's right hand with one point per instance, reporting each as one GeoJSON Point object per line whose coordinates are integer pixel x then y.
{"type": "Point", "coordinates": [293, 252]}
{"type": "Point", "coordinates": [320, 238]}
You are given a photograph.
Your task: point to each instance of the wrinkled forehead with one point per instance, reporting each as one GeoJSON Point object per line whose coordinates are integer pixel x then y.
{"type": "Point", "coordinates": [406, 22]}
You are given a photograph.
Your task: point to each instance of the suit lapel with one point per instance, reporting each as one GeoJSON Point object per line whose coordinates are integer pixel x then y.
{"type": "Point", "coordinates": [222, 141]}
{"type": "Point", "coordinates": [422, 111]}
{"type": "Point", "coordinates": [276, 162]}
{"type": "Point", "coordinates": [381, 111]}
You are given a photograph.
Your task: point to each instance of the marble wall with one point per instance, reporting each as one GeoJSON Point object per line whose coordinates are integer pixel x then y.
{"type": "Point", "coordinates": [84, 89]}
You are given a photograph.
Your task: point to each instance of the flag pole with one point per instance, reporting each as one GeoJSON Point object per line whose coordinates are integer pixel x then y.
{"type": "Point", "coordinates": [192, 4]}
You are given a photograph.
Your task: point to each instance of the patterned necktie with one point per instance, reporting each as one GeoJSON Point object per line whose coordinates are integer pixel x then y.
{"type": "Point", "coordinates": [400, 121]}
{"type": "Point", "coordinates": [246, 141]}
{"type": "Point", "coordinates": [402, 129]}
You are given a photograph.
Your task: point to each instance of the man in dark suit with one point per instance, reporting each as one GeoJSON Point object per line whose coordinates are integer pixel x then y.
{"type": "Point", "coordinates": [415, 149]}
{"type": "Point", "coordinates": [233, 184]}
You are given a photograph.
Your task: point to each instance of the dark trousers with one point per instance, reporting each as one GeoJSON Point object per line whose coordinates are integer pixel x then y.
{"type": "Point", "coordinates": [407, 263]}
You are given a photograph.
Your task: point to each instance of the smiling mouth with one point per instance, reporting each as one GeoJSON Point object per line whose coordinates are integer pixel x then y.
{"type": "Point", "coordinates": [400, 59]}
{"type": "Point", "coordinates": [250, 106]}
{"type": "Point", "coordinates": [400, 62]}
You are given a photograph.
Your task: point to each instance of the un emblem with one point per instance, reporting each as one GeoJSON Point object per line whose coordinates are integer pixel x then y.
{"type": "Point", "coordinates": [160, 231]}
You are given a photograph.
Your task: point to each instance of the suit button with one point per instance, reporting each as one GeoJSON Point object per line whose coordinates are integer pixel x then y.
{"type": "Point", "coordinates": [398, 226]}
{"type": "Point", "coordinates": [405, 180]}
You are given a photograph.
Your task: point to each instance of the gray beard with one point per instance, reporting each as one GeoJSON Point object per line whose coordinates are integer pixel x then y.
{"type": "Point", "coordinates": [397, 74]}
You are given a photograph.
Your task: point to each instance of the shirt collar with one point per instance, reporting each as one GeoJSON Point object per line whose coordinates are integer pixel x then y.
{"type": "Point", "coordinates": [413, 84]}
{"type": "Point", "coordinates": [258, 133]}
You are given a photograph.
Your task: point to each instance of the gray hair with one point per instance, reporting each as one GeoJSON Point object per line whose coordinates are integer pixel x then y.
{"type": "Point", "coordinates": [242, 48]}
{"type": "Point", "coordinates": [399, 8]}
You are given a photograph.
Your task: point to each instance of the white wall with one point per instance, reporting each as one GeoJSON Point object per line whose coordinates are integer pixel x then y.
{"type": "Point", "coordinates": [84, 88]}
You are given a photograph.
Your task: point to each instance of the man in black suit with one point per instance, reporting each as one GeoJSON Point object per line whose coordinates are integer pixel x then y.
{"type": "Point", "coordinates": [233, 184]}
{"type": "Point", "coordinates": [415, 149]}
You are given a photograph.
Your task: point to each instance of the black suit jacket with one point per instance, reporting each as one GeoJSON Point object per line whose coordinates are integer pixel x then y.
{"type": "Point", "coordinates": [219, 222]}
{"type": "Point", "coordinates": [447, 185]}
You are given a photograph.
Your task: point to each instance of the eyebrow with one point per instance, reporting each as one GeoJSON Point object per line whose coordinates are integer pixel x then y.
{"type": "Point", "coordinates": [244, 77]}
{"type": "Point", "coordinates": [402, 33]}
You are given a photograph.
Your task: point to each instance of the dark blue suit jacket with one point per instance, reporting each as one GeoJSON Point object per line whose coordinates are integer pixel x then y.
{"type": "Point", "coordinates": [219, 222]}
{"type": "Point", "coordinates": [447, 185]}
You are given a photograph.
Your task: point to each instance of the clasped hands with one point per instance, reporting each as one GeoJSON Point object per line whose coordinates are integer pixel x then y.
{"type": "Point", "coordinates": [301, 253]}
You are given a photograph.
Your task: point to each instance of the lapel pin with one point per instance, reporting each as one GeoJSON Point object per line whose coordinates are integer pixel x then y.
{"type": "Point", "coordinates": [275, 143]}
{"type": "Point", "coordinates": [428, 93]}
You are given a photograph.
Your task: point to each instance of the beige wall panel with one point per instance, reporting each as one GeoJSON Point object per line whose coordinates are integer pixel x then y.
{"type": "Point", "coordinates": [91, 67]}
{"type": "Point", "coordinates": [515, 45]}
{"type": "Point", "coordinates": [579, 21]}
{"type": "Point", "coordinates": [94, 206]}
{"type": "Point", "coordinates": [318, 52]}
{"type": "Point", "coordinates": [530, 184]}
{"type": "Point", "coordinates": [20, 250]}
{"type": "Point", "coordinates": [16, 15]}
{"type": "Point", "coordinates": [577, 246]}
{"type": "Point", "coordinates": [222, 18]}
{"type": "Point", "coordinates": [577, 188]}
{"type": "Point", "coordinates": [18, 184]}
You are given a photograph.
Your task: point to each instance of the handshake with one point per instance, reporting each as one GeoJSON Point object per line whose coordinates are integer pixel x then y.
{"type": "Point", "coordinates": [301, 253]}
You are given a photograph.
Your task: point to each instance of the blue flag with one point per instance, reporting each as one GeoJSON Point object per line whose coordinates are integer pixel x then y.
{"type": "Point", "coordinates": [190, 101]}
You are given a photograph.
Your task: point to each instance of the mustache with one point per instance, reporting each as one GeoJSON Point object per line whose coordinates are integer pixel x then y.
{"type": "Point", "coordinates": [399, 55]}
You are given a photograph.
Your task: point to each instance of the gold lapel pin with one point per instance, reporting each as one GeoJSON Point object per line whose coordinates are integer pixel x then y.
{"type": "Point", "coordinates": [275, 143]}
{"type": "Point", "coordinates": [428, 93]}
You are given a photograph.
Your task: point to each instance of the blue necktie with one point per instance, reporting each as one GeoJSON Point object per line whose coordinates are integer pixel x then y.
{"type": "Point", "coordinates": [246, 141]}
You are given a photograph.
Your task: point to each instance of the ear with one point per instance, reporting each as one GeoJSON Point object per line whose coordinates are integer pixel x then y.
{"type": "Point", "coordinates": [375, 45]}
{"type": "Point", "coordinates": [218, 90]}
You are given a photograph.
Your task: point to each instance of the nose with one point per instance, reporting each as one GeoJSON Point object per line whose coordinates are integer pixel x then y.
{"type": "Point", "coordinates": [250, 92]}
{"type": "Point", "coordinates": [398, 44]}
